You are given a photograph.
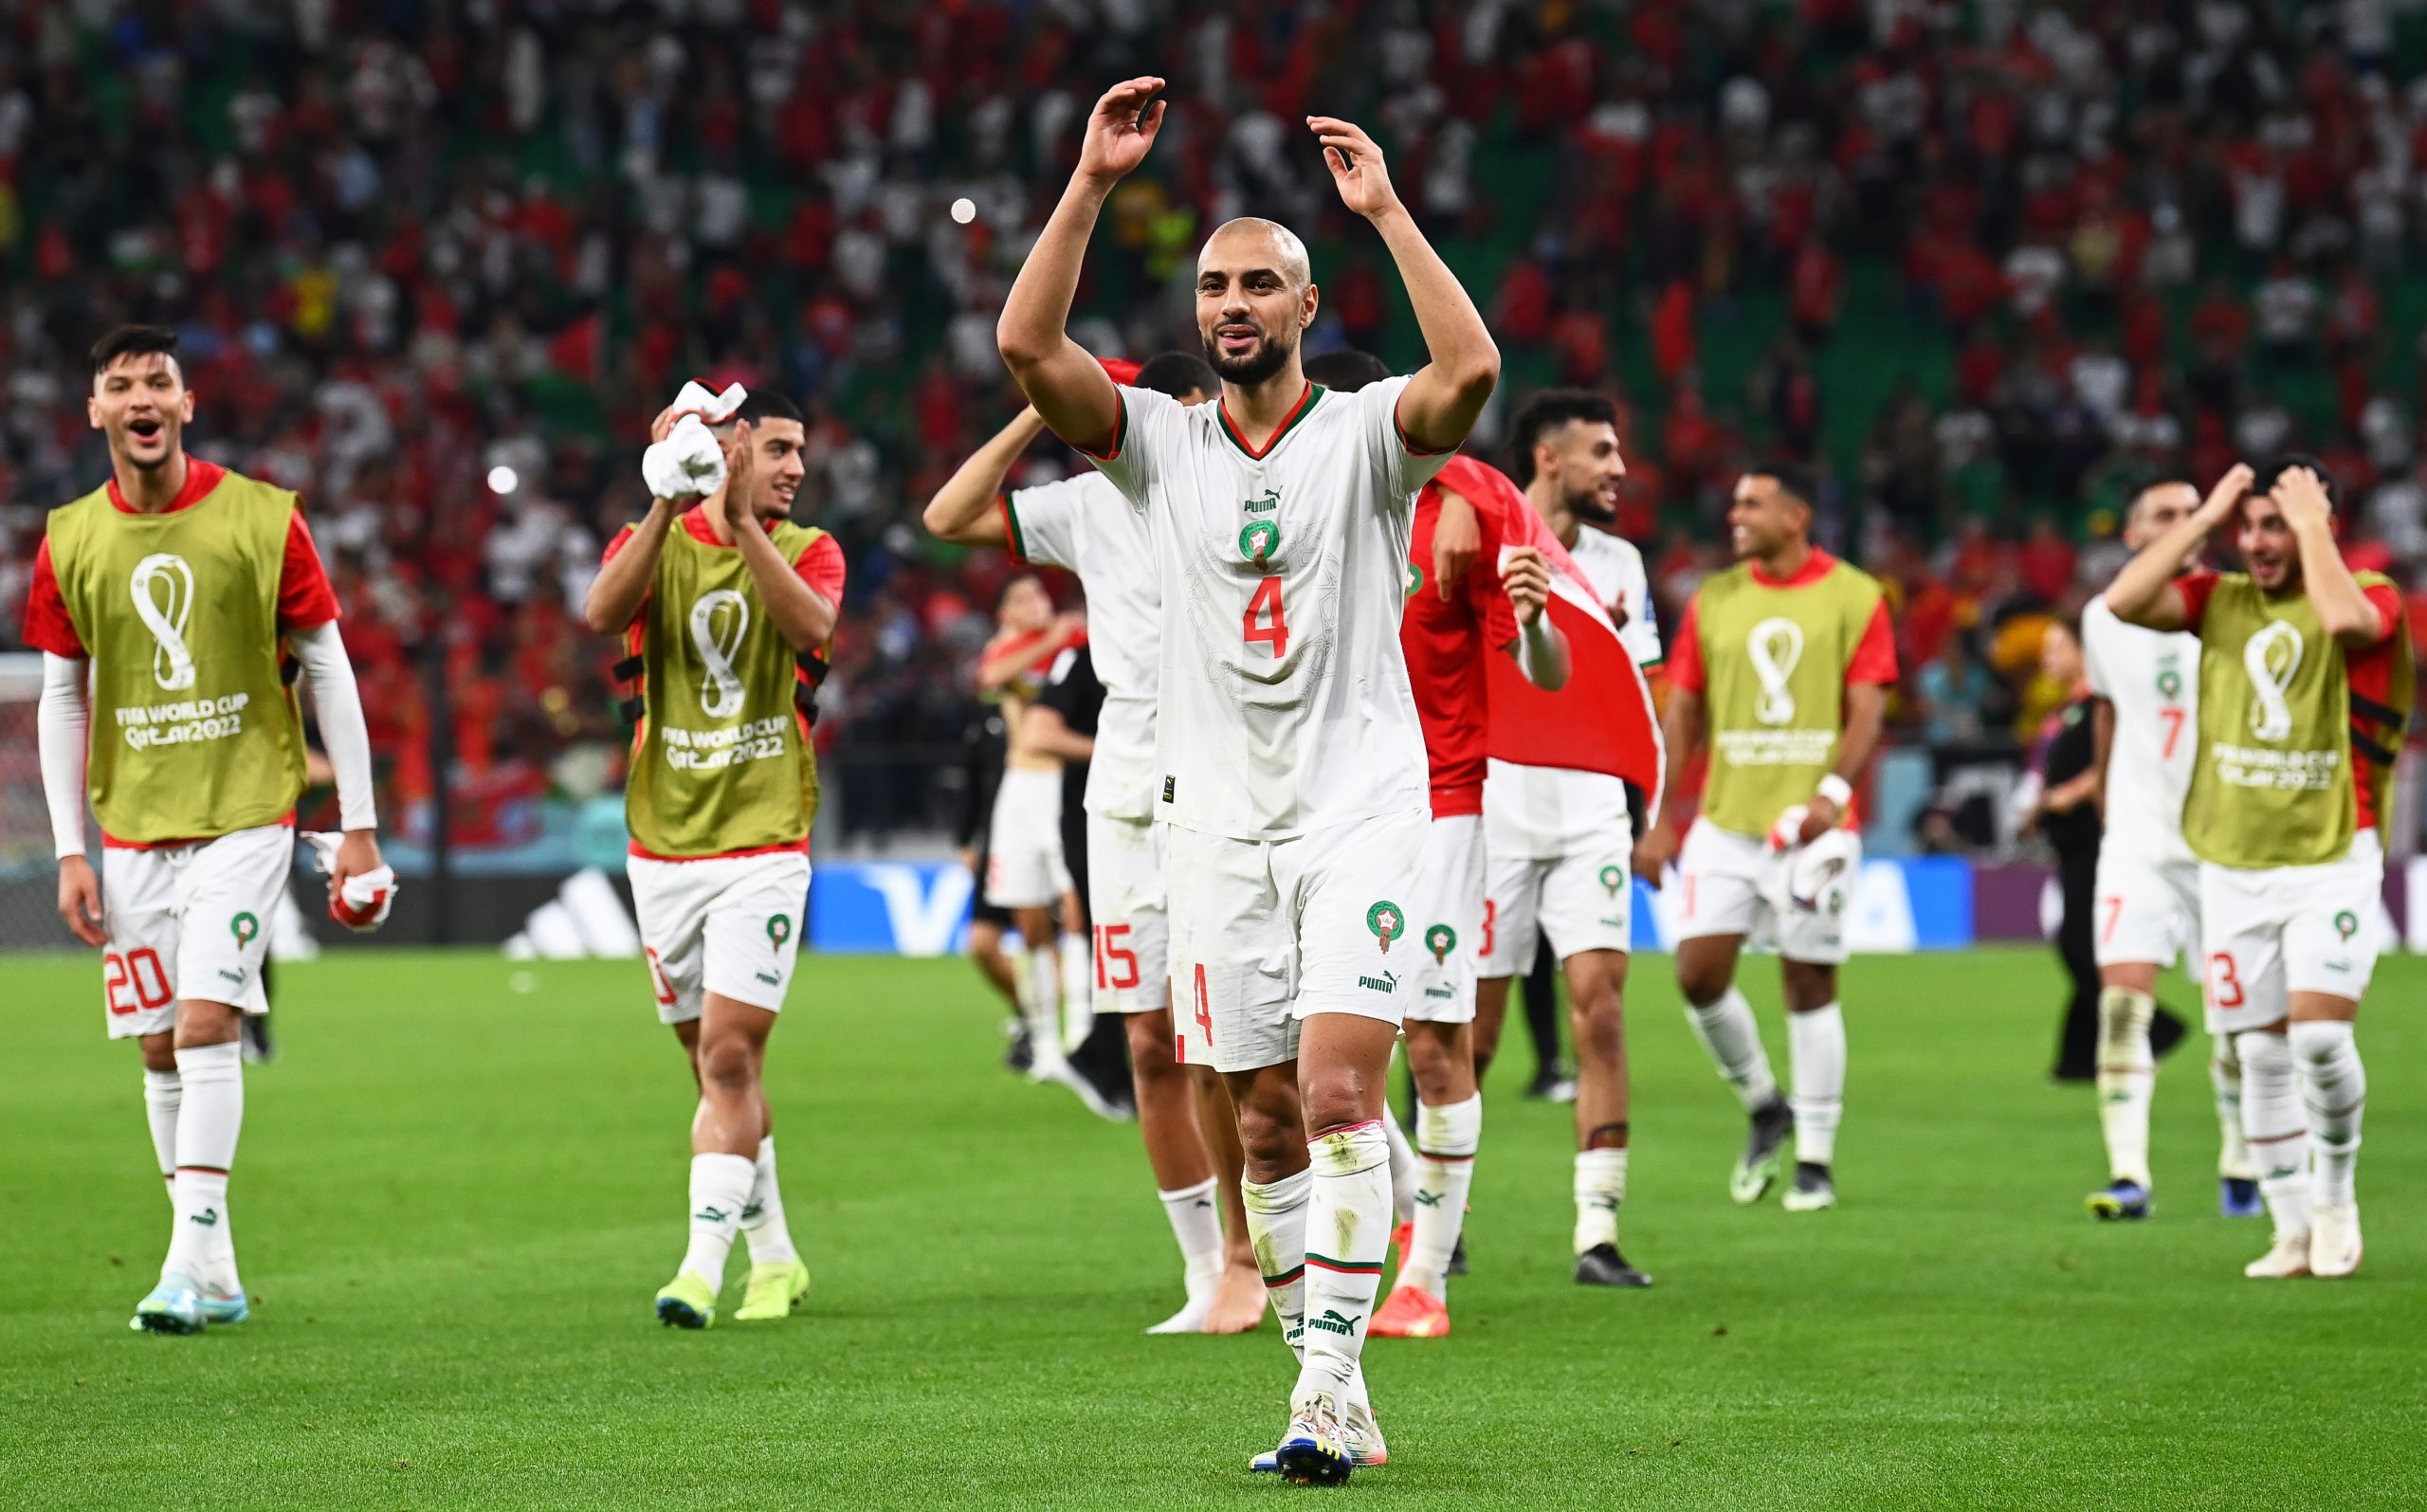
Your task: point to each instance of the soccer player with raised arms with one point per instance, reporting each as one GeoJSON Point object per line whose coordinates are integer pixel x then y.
{"type": "Point", "coordinates": [1785, 658]}
{"type": "Point", "coordinates": [179, 589]}
{"type": "Point", "coordinates": [2307, 681]}
{"type": "Point", "coordinates": [2147, 684]}
{"type": "Point", "coordinates": [1291, 766]}
{"type": "Point", "coordinates": [727, 608]}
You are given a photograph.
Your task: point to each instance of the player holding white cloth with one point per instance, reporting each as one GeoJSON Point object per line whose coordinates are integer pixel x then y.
{"type": "Point", "coordinates": [726, 608]}
{"type": "Point", "coordinates": [178, 589]}
{"type": "Point", "coordinates": [1083, 524]}
{"type": "Point", "coordinates": [1293, 773]}
{"type": "Point", "coordinates": [2148, 880]}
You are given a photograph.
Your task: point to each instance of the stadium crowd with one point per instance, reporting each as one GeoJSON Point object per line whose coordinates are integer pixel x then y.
{"type": "Point", "coordinates": [1990, 266]}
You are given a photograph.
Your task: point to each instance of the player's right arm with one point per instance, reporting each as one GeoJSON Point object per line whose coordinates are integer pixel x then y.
{"type": "Point", "coordinates": [623, 582]}
{"type": "Point", "coordinates": [1069, 389]}
{"type": "Point", "coordinates": [62, 722]}
{"type": "Point", "coordinates": [1004, 660]}
{"type": "Point", "coordinates": [963, 509]}
{"type": "Point", "coordinates": [2145, 591]}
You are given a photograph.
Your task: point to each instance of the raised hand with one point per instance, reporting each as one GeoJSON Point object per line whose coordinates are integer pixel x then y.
{"type": "Point", "coordinates": [2301, 494]}
{"type": "Point", "coordinates": [2226, 497]}
{"type": "Point", "coordinates": [1120, 129]}
{"type": "Point", "coordinates": [1356, 164]}
{"type": "Point", "coordinates": [740, 475]}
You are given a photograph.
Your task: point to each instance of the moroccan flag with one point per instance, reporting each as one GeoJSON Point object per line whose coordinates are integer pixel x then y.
{"type": "Point", "coordinates": [1602, 720]}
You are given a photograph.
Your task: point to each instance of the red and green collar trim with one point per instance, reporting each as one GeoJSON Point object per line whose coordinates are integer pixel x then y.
{"type": "Point", "coordinates": [1289, 422]}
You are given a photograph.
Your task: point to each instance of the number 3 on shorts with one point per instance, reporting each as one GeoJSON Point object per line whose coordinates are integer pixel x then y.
{"type": "Point", "coordinates": [1267, 601]}
{"type": "Point", "coordinates": [2221, 981]}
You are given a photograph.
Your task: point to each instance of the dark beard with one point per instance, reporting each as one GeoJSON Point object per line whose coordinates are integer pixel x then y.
{"type": "Point", "coordinates": [1588, 505]}
{"type": "Point", "coordinates": [1269, 358]}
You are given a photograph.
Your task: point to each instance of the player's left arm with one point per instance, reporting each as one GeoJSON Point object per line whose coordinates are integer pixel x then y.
{"type": "Point", "coordinates": [1439, 405]}
{"type": "Point", "coordinates": [1866, 715]}
{"type": "Point", "coordinates": [804, 616]}
{"type": "Point", "coordinates": [2342, 605]}
{"type": "Point", "coordinates": [1541, 650]}
{"type": "Point", "coordinates": [1457, 539]}
{"type": "Point", "coordinates": [308, 615]}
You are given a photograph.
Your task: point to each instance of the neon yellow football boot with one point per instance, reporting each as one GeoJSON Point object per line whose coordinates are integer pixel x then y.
{"type": "Point", "coordinates": [773, 1290]}
{"type": "Point", "coordinates": [686, 1302]}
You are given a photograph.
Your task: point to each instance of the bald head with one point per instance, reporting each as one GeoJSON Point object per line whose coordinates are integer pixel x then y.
{"type": "Point", "coordinates": [1256, 296]}
{"type": "Point", "coordinates": [1253, 241]}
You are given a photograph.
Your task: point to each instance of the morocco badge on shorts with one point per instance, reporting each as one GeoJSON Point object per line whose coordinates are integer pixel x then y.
{"type": "Point", "coordinates": [1610, 878]}
{"type": "Point", "coordinates": [1387, 924]}
{"type": "Point", "coordinates": [244, 926]}
{"type": "Point", "coordinates": [1440, 939]}
{"type": "Point", "coordinates": [780, 929]}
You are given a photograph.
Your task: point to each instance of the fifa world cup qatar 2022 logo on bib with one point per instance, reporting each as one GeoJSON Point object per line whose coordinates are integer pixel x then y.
{"type": "Point", "coordinates": [1774, 646]}
{"type": "Point", "coordinates": [718, 620]}
{"type": "Point", "coordinates": [162, 586]}
{"type": "Point", "coordinates": [2271, 656]}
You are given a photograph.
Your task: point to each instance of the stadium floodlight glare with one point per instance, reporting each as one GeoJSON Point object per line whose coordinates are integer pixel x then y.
{"type": "Point", "coordinates": [504, 479]}
{"type": "Point", "coordinates": [964, 211]}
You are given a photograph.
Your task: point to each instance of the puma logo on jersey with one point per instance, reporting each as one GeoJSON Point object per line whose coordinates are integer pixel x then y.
{"type": "Point", "coordinates": [1270, 502]}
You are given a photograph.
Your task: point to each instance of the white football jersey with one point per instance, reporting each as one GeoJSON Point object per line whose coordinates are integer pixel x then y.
{"type": "Point", "coordinates": [1546, 812]}
{"type": "Point", "coordinates": [2152, 678]}
{"type": "Point", "coordinates": [1282, 572]}
{"type": "Point", "coordinates": [1084, 524]}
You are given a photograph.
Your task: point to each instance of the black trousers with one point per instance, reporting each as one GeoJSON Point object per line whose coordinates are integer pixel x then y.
{"type": "Point", "coordinates": [2078, 1039]}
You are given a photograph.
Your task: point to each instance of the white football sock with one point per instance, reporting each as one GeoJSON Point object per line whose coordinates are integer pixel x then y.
{"type": "Point", "coordinates": [1196, 1224]}
{"type": "Point", "coordinates": [2334, 1093]}
{"type": "Point", "coordinates": [1815, 1043]}
{"type": "Point", "coordinates": [1041, 1005]}
{"type": "Point", "coordinates": [1348, 1232]}
{"type": "Point", "coordinates": [162, 1093]}
{"type": "Point", "coordinates": [1447, 1138]}
{"type": "Point", "coordinates": [1726, 1029]}
{"type": "Point", "coordinates": [211, 1115]}
{"type": "Point", "coordinates": [2280, 1139]}
{"type": "Point", "coordinates": [1277, 1229]}
{"type": "Point", "coordinates": [720, 1189]}
{"type": "Point", "coordinates": [1600, 1191]}
{"type": "Point", "coordinates": [1403, 1176]}
{"type": "Point", "coordinates": [2127, 1075]}
{"type": "Point", "coordinates": [2224, 1078]}
{"type": "Point", "coordinates": [762, 1217]}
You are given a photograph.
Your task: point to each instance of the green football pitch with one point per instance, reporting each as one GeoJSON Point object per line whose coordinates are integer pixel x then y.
{"type": "Point", "coordinates": [463, 1181]}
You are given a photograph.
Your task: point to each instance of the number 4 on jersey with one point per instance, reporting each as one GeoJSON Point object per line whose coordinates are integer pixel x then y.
{"type": "Point", "coordinates": [1276, 630]}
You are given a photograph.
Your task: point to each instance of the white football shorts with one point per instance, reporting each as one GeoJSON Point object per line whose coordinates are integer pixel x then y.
{"type": "Point", "coordinates": [1125, 898]}
{"type": "Point", "coordinates": [725, 924]}
{"type": "Point", "coordinates": [1735, 885]}
{"type": "Point", "coordinates": [1266, 931]}
{"type": "Point", "coordinates": [1445, 916]}
{"type": "Point", "coordinates": [2273, 931]}
{"type": "Point", "coordinates": [2147, 910]}
{"type": "Point", "coordinates": [190, 922]}
{"type": "Point", "coordinates": [1025, 867]}
{"type": "Point", "coordinates": [1583, 900]}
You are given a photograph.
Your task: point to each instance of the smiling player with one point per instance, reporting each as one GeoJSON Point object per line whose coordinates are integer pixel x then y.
{"type": "Point", "coordinates": [2307, 681]}
{"type": "Point", "coordinates": [726, 606]}
{"type": "Point", "coordinates": [179, 588]}
{"type": "Point", "coordinates": [1291, 762]}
